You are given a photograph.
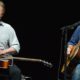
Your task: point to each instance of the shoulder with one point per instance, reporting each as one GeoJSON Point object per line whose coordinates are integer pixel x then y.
{"type": "Point", "coordinates": [8, 26]}
{"type": "Point", "coordinates": [78, 27]}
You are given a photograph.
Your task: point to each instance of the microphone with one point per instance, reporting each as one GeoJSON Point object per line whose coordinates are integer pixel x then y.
{"type": "Point", "coordinates": [71, 26]}
{"type": "Point", "coordinates": [74, 25]}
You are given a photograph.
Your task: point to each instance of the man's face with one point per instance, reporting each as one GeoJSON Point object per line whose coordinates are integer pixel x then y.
{"type": "Point", "coordinates": [1, 11]}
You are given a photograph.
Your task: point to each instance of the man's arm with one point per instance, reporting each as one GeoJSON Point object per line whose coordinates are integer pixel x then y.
{"type": "Point", "coordinates": [74, 40]}
{"type": "Point", "coordinates": [13, 43]}
{"type": "Point", "coordinates": [6, 51]}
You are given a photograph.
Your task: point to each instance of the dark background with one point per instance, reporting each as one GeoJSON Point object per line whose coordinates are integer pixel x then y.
{"type": "Point", "coordinates": [37, 25]}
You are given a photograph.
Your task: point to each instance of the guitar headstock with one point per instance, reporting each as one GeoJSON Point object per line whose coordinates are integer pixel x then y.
{"type": "Point", "coordinates": [48, 64]}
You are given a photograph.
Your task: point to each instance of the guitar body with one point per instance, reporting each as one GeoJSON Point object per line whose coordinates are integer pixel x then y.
{"type": "Point", "coordinates": [5, 64]}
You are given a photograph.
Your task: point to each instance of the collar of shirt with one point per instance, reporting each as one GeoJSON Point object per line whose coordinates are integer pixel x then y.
{"type": "Point", "coordinates": [1, 24]}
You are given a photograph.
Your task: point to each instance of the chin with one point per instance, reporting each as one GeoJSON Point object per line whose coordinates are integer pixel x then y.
{"type": "Point", "coordinates": [0, 17]}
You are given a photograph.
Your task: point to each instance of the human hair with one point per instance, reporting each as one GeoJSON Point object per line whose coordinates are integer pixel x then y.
{"type": "Point", "coordinates": [2, 4]}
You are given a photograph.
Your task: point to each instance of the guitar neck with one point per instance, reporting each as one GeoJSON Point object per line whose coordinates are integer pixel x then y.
{"type": "Point", "coordinates": [31, 59]}
{"type": "Point", "coordinates": [34, 60]}
{"type": "Point", "coordinates": [27, 59]}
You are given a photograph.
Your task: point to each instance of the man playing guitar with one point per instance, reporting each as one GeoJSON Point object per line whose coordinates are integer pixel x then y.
{"type": "Point", "coordinates": [9, 44]}
{"type": "Point", "coordinates": [73, 41]}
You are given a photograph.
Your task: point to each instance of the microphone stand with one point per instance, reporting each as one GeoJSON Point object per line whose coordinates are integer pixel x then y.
{"type": "Point", "coordinates": [61, 51]}
{"type": "Point", "coordinates": [65, 51]}
{"type": "Point", "coordinates": [64, 35]}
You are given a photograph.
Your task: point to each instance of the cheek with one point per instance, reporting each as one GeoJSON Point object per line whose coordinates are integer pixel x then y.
{"type": "Point", "coordinates": [1, 12]}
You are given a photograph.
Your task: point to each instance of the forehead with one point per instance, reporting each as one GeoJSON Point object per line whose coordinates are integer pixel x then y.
{"type": "Point", "coordinates": [2, 4]}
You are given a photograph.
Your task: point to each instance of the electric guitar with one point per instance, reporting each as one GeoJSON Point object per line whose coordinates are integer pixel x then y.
{"type": "Point", "coordinates": [74, 53]}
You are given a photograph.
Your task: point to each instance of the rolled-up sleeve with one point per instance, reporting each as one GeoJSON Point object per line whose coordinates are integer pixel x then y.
{"type": "Point", "coordinates": [13, 40]}
{"type": "Point", "coordinates": [75, 37]}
